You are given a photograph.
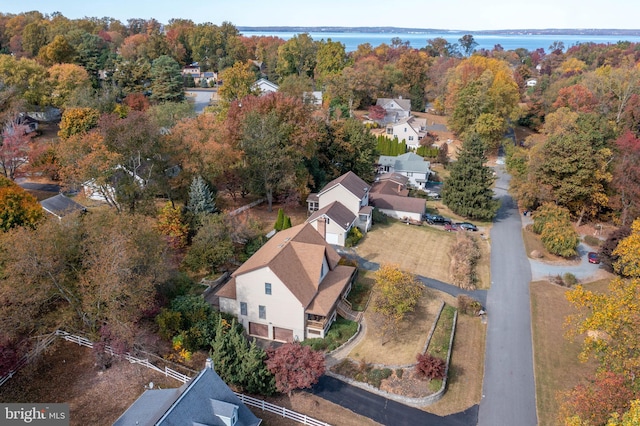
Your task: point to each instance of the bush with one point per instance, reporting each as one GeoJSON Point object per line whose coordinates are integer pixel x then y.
{"type": "Point", "coordinates": [378, 217]}
{"type": "Point", "coordinates": [559, 238]}
{"type": "Point", "coordinates": [430, 367]}
{"type": "Point", "coordinates": [355, 235]}
{"type": "Point", "coordinates": [569, 279]}
{"type": "Point", "coordinates": [465, 254]}
{"type": "Point", "coordinates": [377, 375]}
{"type": "Point", "coordinates": [399, 373]}
{"type": "Point", "coordinates": [549, 212]}
{"type": "Point", "coordinates": [468, 305]}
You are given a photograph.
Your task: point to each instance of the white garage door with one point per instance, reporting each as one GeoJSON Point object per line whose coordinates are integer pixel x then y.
{"type": "Point", "coordinates": [332, 238]}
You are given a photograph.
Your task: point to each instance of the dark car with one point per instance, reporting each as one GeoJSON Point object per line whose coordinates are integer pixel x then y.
{"type": "Point", "coordinates": [467, 226]}
{"type": "Point", "coordinates": [436, 219]}
{"type": "Point", "coordinates": [593, 257]}
{"type": "Point", "coordinates": [451, 227]}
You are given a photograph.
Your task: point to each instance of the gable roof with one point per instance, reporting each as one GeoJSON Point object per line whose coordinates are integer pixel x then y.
{"type": "Point", "coordinates": [265, 85]}
{"type": "Point", "coordinates": [408, 162]}
{"type": "Point", "coordinates": [60, 206]}
{"type": "Point", "coordinates": [398, 203]}
{"type": "Point", "coordinates": [337, 212]}
{"type": "Point", "coordinates": [296, 256]}
{"type": "Point", "coordinates": [390, 187]}
{"type": "Point", "coordinates": [404, 104]}
{"type": "Point", "coordinates": [351, 182]}
{"type": "Point", "coordinates": [200, 401]}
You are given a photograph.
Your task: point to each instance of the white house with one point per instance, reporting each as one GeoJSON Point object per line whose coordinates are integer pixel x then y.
{"type": "Point", "coordinates": [290, 289]}
{"type": "Point", "coordinates": [410, 165]}
{"type": "Point", "coordinates": [350, 191]}
{"type": "Point", "coordinates": [410, 129]}
{"type": "Point", "coordinates": [395, 109]}
{"type": "Point", "coordinates": [264, 86]}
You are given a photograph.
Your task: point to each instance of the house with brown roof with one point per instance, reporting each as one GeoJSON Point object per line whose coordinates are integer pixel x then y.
{"type": "Point", "coordinates": [352, 193]}
{"type": "Point", "coordinates": [290, 289]}
{"type": "Point", "coordinates": [390, 195]}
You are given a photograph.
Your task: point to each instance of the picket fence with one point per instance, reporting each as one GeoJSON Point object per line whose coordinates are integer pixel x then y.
{"type": "Point", "coordinates": [282, 411]}
{"type": "Point", "coordinates": [82, 341]}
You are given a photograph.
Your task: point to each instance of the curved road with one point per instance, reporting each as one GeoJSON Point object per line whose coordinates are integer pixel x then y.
{"type": "Point", "coordinates": [509, 394]}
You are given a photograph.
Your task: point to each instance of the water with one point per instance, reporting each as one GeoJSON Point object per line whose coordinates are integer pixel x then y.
{"type": "Point", "coordinates": [351, 41]}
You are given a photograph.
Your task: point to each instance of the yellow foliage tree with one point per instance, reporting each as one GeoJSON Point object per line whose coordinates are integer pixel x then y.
{"type": "Point", "coordinates": [77, 120]}
{"type": "Point", "coordinates": [611, 322]}
{"type": "Point", "coordinates": [628, 252]}
{"type": "Point", "coordinates": [397, 294]}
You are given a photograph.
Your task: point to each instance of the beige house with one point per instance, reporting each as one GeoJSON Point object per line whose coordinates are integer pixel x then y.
{"type": "Point", "coordinates": [348, 190]}
{"type": "Point", "coordinates": [390, 195]}
{"type": "Point", "coordinates": [411, 130]}
{"type": "Point", "coordinates": [290, 289]}
{"type": "Point", "coordinates": [333, 222]}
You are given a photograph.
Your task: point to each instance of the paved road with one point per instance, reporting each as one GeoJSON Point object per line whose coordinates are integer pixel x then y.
{"type": "Point", "coordinates": [509, 387]}
{"type": "Point", "coordinates": [385, 411]}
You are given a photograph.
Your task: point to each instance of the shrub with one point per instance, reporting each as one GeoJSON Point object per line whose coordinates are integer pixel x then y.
{"type": "Point", "coordinates": [355, 235]}
{"type": "Point", "coordinates": [399, 373]}
{"type": "Point", "coordinates": [378, 217]}
{"type": "Point", "coordinates": [559, 237]}
{"type": "Point", "coordinates": [376, 376]}
{"type": "Point", "coordinates": [430, 367]}
{"type": "Point", "coordinates": [465, 254]}
{"type": "Point", "coordinates": [549, 212]}
{"type": "Point", "coordinates": [468, 305]}
{"type": "Point", "coordinates": [569, 279]}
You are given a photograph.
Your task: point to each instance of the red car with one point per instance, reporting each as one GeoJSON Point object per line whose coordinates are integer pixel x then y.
{"type": "Point", "coordinates": [450, 227]}
{"type": "Point", "coordinates": [593, 257]}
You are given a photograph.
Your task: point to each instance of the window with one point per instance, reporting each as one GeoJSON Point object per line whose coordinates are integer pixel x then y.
{"type": "Point", "coordinates": [262, 312]}
{"type": "Point", "coordinates": [410, 138]}
{"type": "Point", "coordinates": [243, 308]}
{"type": "Point", "coordinates": [267, 288]}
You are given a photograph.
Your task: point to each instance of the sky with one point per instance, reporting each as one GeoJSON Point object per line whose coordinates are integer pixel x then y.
{"type": "Point", "coordinates": [441, 14]}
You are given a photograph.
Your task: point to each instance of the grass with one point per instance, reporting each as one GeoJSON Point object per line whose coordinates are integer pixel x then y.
{"type": "Point", "coordinates": [556, 364]}
{"type": "Point", "coordinates": [421, 250]}
{"type": "Point", "coordinates": [361, 291]}
{"type": "Point", "coordinates": [339, 332]}
{"type": "Point", "coordinates": [408, 339]}
{"type": "Point", "coordinates": [439, 345]}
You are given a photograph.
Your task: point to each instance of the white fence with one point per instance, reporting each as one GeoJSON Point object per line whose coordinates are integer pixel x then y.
{"type": "Point", "coordinates": [284, 412]}
{"type": "Point", "coordinates": [82, 341]}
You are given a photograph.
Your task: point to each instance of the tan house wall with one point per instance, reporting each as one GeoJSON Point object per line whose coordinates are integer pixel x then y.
{"type": "Point", "coordinates": [331, 228]}
{"type": "Point", "coordinates": [283, 309]}
{"type": "Point", "coordinates": [401, 215]}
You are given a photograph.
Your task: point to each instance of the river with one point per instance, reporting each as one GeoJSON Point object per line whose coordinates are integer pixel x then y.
{"type": "Point", "coordinates": [352, 40]}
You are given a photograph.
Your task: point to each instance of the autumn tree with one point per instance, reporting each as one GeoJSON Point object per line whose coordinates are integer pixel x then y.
{"type": "Point", "coordinates": [27, 76]}
{"type": "Point", "coordinates": [480, 86]}
{"type": "Point", "coordinates": [101, 269]}
{"type": "Point", "coordinates": [626, 177]}
{"type": "Point", "coordinates": [606, 256]}
{"type": "Point", "coordinates": [171, 224]}
{"type": "Point", "coordinates": [212, 246]}
{"type": "Point", "coordinates": [628, 253]}
{"type": "Point", "coordinates": [58, 51]}
{"type": "Point", "coordinates": [594, 402]}
{"type": "Point", "coordinates": [238, 81]}
{"type": "Point", "coordinates": [65, 79]}
{"type": "Point", "coordinates": [397, 294]}
{"type": "Point", "coordinates": [468, 44]}
{"type": "Point", "coordinates": [295, 366]}
{"type": "Point", "coordinates": [297, 56]}
{"type": "Point", "coordinates": [77, 121]}
{"type": "Point", "coordinates": [17, 207]}
{"type": "Point", "coordinates": [331, 58]}
{"type": "Point", "coordinates": [610, 322]}
{"type": "Point", "coordinates": [15, 150]}
{"type": "Point", "coordinates": [467, 191]}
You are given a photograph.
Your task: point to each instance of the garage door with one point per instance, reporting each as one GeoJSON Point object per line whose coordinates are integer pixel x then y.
{"type": "Point", "coordinates": [260, 330]}
{"type": "Point", "coordinates": [282, 334]}
{"type": "Point", "coordinates": [332, 238]}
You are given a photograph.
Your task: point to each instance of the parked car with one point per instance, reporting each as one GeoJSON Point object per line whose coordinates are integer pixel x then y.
{"type": "Point", "coordinates": [467, 226]}
{"type": "Point", "coordinates": [450, 227]}
{"type": "Point", "coordinates": [593, 257]}
{"type": "Point", "coordinates": [436, 219]}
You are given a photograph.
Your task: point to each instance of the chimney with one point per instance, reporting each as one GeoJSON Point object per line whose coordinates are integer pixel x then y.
{"type": "Point", "coordinates": [208, 363]}
{"type": "Point", "coordinates": [322, 227]}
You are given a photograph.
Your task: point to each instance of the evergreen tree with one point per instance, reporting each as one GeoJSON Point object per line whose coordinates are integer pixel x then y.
{"type": "Point", "coordinates": [287, 223]}
{"type": "Point", "coordinates": [256, 378]}
{"type": "Point", "coordinates": [467, 191]}
{"type": "Point", "coordinates": [201, 198]}
{"type": "Point", "coordinates": [228, 348]}
{"type": "Point", "coordinates": [279, 221]}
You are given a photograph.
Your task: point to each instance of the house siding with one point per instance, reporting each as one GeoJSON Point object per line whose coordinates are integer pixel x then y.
{"type": "Point", "coordinates": [342, 195]}
{"type": "Point", "coordinates": [282, 308]}
{"type": "Point", "coordinates": [333, 228]}
{"type": "Point", "coordinates": [402, 215]}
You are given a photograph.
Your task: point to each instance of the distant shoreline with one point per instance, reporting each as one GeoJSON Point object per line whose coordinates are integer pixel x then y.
{"type": "Point", "coordinates": [399, 30]}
